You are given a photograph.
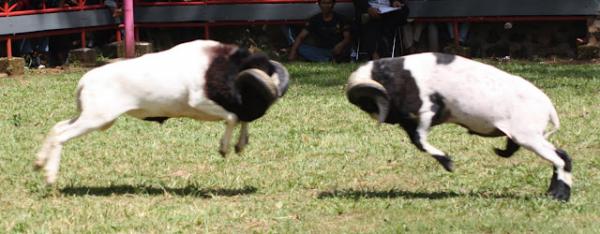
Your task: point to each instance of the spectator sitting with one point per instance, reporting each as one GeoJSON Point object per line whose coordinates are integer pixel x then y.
{"type": "Point", "coordinates": [379, 20]}
{"type": "Point", "coordinates": [325, 37]}
{"type": "Point", "coordinates": [411, 36]}
{"type": "Point", "coordinates": [33, 50]}
{"type": "Point", "coordinates": [116, 11]}
{"type": "Point", "coordinates": [463, 32]}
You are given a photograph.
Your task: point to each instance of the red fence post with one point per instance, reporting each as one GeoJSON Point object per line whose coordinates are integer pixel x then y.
{"type": "Point", "coordinates": [83, 41]}
{"type": "Point", "coordinates": [9, 48]}
{"type": "Point", "coordinates": [456, 33]}
{"type": "Point", "coordinates": [206, 31]}
{"type": "Point", "coordinates": [129, 33]}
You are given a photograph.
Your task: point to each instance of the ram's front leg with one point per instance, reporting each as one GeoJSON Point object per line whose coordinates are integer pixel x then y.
{"type": "Point", "coordinates": [243, 138]}
{"type": "Point", "coordinates": [230, 121]}
{"type": "Point", "coordinates": [417, 131]}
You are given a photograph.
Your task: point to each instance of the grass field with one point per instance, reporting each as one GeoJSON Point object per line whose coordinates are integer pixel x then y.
{"type": "Point", "coordinates": [315, 164]}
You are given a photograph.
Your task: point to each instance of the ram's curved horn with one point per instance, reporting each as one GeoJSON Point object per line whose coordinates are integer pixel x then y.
{"type": "Point", "coordinates": [260, 83]}
{"type": "Point", "coordinates": [280, 77]}
{"type": "Point", "coordinates": [370, 96]}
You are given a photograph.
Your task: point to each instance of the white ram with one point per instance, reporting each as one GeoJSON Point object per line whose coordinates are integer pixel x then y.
{"type": "Point", "coordinates": [203, 80]}
{"type": "Point", "coordinates": [422, 90]}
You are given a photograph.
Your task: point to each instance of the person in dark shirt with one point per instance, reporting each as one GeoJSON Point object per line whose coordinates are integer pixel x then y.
{"type": "Point", "coordinates": [325, 37]}
{"type": "Point", "coordinates": [377, 26]}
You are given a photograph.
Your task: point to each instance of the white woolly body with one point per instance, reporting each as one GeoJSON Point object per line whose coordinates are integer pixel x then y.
{"type": "Point", "coordinates": [161, 85]}
{"type": "Point", "coordinates": [454, 89]}
{"type": "Point", "coordinates": [144, 86]}
{"type": "Point", "coordinates": [479, 96]}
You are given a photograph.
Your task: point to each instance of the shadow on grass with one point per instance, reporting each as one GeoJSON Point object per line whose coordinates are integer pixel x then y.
{"type": "Point", "coordinates": [150, 190]}
{"type": "Point", "coordinates": [368, 194]}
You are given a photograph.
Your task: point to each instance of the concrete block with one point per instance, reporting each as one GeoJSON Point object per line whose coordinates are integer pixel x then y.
{"type": "Point", "coordinates": [82, 57]}
{"type": "Point", "coordinates": [141, 48]}
{"type": "Point", "coordinates": [12, 67]}
{"type": "Point", "coordinates": [588, 52]}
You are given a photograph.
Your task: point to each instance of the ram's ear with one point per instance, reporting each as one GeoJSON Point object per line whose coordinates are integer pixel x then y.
{"type": "Point", "coordinates": [240, 54]}
{"type": "Point", "coordinates": [371, 97]}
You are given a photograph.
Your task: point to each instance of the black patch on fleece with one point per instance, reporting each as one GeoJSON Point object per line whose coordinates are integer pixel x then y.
{"type": "Point", "coordinates": [445, 161]}
{"type": "Point", "coordinates": [558, 189]}
{"type": "Point", "coordinates": [442, 58]}
{"type": "Point", "coordinates": [561, 191]}
{"type": "Point", "coordinates": [402, 90]}
{"type": "Point", "coordinates": [511, 148]}
{"type": "Point", "coordinates": [410, 126]}
{"type": "Point", "coordinates": [565, 157]}
{"type": "Point", "coordinates": [227, 62]}
{"type": "Point", "coordinates": [439, 108]}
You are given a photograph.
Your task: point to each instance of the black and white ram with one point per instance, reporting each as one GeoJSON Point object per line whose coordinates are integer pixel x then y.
{"type": "Point", "coordinates": [203, 80]}
{"type": "Point", "coordinates": [423, 90]}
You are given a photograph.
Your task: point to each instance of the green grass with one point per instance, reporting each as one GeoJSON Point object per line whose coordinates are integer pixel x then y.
{"type": "Point", "coordinates": [315, 164]}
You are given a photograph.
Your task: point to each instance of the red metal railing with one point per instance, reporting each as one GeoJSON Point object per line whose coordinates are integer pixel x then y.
{"type": "Point", "coordinates": [12, 9]}
{"type": "Point", "coordinates": [216, 2]}
{"type": "Point", "coordinates": [8, 10]}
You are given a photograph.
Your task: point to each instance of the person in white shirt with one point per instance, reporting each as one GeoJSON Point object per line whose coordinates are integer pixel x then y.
{"type": "Point", "coordinates": [378, 20]}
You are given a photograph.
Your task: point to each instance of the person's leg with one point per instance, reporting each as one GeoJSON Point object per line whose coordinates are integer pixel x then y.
{"type": "Point", "coordinates": [391, 23]}
{"type": "Point", "coordinates": [314, 54]}
{"type": "Point", "coordinates": [464, 31]}
{"type": "Point", "coordinates": [417, 31]}
{"type": "Point", "coordinates": [289, 34]}
{"type": "Point", "coordinates": [450, 30]}
{"type": "Point", "coordinates": [25, 47]}
{"type": "Point", "coordinates": [344, 56]}
{"type": "Point", "coordinates": [407, 35]}
{"type": "Point", "coordinates": [370, 35]}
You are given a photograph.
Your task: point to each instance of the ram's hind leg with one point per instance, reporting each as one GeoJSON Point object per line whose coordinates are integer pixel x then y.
{"type": "Point", "coordinates": [561, 182]}
{"type": "Point", "coordinates": [243, 138]}
{"type": "Point", "coordinates": [511, 148]}
{"type": "Point", "coordinates": [230, 123]}
{"type": "Point", "coordinates": [418, 136]}
{"type": "Point", "coordinates": [49, 155]}
{"type": "Point", "coordinates": [47, 146]}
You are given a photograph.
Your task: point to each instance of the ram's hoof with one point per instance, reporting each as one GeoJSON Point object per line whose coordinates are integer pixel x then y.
{"type": "Point", "coordinates": [50, 180]}
{"type": "Point", "coordinates": [223, 153]}
{"type": "Point", "coordinates": [38, 164]}
{"type": "Point", "coordinates": [559, 190]}
{"type": "Point", "coordinates": [445, 161]}
{"type": "Point", "coordinates": [238, 149]}
{"type": "Point", "coordinates": [503, 153]}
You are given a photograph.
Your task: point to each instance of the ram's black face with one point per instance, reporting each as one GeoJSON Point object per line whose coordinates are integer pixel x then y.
{"type": "Point", "coordinates": [247, 60]}
{"type": "Point", "coordinates": [401, 88]}
{"type": "Point", "coordinates": [242, 82]}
